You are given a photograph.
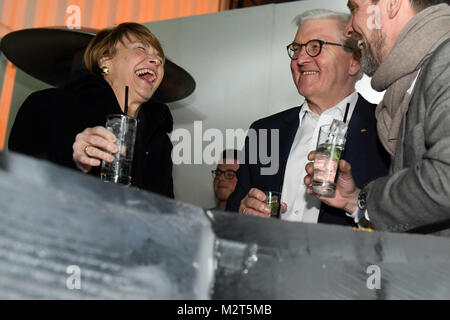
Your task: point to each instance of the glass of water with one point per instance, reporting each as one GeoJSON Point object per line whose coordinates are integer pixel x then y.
{"type": "Point", "coordinates": [124, 128]}
{"type": "Point", "coordinates": [330, 147]}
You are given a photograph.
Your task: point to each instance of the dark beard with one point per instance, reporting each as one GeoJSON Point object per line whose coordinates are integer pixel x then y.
{"type": "Point", "coordinates": [371, 54]}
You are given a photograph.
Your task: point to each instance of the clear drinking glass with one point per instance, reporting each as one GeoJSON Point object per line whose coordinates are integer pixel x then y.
{"type": "Point", "coordinates": [124, 128]}
{"type": "Point", "coordinates": [330, 147]}
{"type": "Point", "coordinates": [273, 200]}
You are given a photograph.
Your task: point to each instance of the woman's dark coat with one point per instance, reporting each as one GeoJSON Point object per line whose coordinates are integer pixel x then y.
{"type": "Point", "coordinates": [49, 120]}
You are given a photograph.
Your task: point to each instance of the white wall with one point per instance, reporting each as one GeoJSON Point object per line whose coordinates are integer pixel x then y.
{"type": "Point", "coordinates": [238, 59]}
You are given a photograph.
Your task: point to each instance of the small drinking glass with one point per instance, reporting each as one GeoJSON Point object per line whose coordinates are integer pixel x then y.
{"type": "Point", "coordinates": [273, 200]}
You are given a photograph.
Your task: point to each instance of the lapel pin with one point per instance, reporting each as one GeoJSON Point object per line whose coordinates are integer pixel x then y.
{"type": "Point", "coordinates": [363, 130]}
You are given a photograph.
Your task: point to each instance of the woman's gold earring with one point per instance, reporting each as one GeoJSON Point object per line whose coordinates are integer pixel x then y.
{"type": "Point", "coordinates": [105, 70]}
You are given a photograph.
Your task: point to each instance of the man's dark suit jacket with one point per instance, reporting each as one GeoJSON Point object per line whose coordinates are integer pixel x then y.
{"type": "Point", "coordinates": [363, 151]}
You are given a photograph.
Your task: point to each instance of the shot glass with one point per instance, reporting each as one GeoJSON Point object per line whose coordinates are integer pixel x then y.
{"type": "Point", "coordinates": [330, 146]}
{"type": "Point", "coordinates": [124, 128]}
{"type": "Point", "coordinates": [273, 200]}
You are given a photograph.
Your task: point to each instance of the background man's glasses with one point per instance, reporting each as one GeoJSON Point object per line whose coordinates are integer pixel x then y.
{"type": "Point", "coordinates": [313, 48]}
{"type": "Point", "coordinates": [228, 174]}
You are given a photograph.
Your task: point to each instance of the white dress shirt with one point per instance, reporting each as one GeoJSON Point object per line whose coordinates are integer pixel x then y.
{"type": "Point", "coordinates": [300, 206]}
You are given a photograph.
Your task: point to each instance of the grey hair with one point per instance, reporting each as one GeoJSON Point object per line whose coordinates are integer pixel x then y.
{"type": "Point", "coordinates": [342, 17]}
{"type": "Point", "coordinates": [321, 14]}
{"type": "Point", "coordinates": [315, 14]}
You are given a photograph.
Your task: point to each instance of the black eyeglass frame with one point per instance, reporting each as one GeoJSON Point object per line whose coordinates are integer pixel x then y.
{"type": "Point", "coordinates": [321, 43]}
{"type": "Point", "coordinates": [214, 175]}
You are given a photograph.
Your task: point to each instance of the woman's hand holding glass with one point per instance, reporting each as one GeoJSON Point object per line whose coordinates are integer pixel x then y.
{"type": "Point", "coordinates": [92, 146]}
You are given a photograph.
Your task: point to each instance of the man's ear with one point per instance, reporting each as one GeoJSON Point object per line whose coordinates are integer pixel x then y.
{"type": "Point", "coordinates": [393, 7]}
{"type": "Point", "coordinates": [354, 67]}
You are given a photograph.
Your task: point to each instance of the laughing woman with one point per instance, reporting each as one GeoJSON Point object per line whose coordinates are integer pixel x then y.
{"type": "Point", "coordinates": [66, 125]}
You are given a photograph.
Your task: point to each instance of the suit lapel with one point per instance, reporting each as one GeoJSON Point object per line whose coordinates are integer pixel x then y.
{"type": "Point", "coordinates": [288, 129]}
{"type": "Point", "coordinates": [359, 125]}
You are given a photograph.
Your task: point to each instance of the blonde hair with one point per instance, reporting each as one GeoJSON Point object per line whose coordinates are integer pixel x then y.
{"type": "Point", "coordinates": [104, 43]}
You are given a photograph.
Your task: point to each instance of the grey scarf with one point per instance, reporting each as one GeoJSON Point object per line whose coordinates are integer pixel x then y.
{"type": "Point", "coordinates": [416, 42]}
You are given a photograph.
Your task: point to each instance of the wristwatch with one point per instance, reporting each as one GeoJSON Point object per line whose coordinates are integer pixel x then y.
{"type": "Point", "coordinates": [362, 203]}
{"type": "Point", "coordinates": [362, 206]}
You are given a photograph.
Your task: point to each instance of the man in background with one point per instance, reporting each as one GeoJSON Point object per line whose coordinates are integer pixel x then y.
{"type": "Point", "coordinates": [225, 178]}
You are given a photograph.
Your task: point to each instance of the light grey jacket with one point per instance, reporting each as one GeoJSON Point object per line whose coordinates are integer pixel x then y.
{"type": "Point", "coordinates": [415, 197]}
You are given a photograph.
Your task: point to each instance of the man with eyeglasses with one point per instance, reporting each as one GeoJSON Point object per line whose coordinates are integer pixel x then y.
{"type": "Point", "coordinates": [406, 50]}
{"type": "Point", "coordinates": [225, 178]}
{"type": "Point", "coordinates": [325, 67]}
